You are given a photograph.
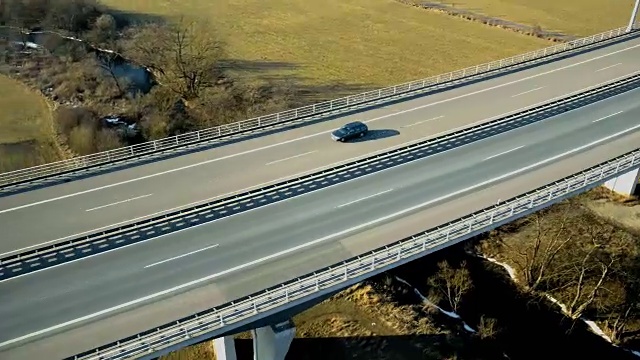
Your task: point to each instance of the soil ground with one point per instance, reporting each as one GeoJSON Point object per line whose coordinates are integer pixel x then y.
{"type": "Point", "coordinates": [26, 135]}
{"type": "Point", "coordinates": [621, 210]}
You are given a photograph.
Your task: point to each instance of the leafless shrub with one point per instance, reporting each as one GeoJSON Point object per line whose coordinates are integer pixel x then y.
{"type": "Point", "coordinates": [450, 284]}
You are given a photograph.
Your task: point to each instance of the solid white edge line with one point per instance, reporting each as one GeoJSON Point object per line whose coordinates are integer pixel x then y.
{"type": "Point", "coordinates": [503, 153]}
{"type": "Point", "coordinates": [364, 198]}
{"type": "Point", "coordinates": [181, 256]}
{"type": "Point", "coordinates": [608, 116]}
{"type": "Point", "coordinates": [119, 202]}
{"type": "Point", "coordinates": [424, 121]}
{"type": "Point", "coordinates": [528, 91]}
{"type": "Point", "coordinates": [287, 176]}
{"type": "Point", "coordinates": [608, 67]}
{"type": "Point", "coordinates": [314, 242]}
{"type": "Point", "coordinates": [319, 133]}
{"type": "Point", "coordinates": [291, 157]}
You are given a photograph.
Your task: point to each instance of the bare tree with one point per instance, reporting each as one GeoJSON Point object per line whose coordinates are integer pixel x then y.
{"type": "Point", "coordinates": [450, 284]}
{"type": "Point", "coordinates": [616, 324]}
{"type": "Point", "coordinates": [108, 61]}
{"type": "Point", "coordinates": [627, 306]}
{"type": "Point", "coordinates": [585, 288]}
{"type": "Point", "coordinates": [183, 57]}
{"type": "Point", "coordinates": [574, 256]}
{"type": "Point", "coordinates": [487, 328]}
{"type": "Point", "coordinates": [604, 251]}
{"type": "Point", "coordinates": [535, 259]}
{"type": "Point", "coordinates": [577, 260]}
{"type": "Point", "coordinates": [103, 32]}
{"type": "Point", "coordinates": [73, 16]}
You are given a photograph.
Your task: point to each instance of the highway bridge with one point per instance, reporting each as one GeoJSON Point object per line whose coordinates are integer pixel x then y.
{"type": "Point", "coordinates": [456, 152]}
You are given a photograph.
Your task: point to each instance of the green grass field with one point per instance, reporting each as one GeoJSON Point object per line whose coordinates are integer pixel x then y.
{"type": "Point", "coordinates": [366, 42]}
{"type": "Point", "coordinates": [26, 138]}
{"type": "Point", "coordinates": [572, 17]}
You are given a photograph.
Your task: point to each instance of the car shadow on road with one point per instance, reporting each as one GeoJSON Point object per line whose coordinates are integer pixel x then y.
{"type": "Point", "coordinates": [377, 134]}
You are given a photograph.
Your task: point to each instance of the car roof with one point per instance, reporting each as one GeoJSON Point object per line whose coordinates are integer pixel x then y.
{"type": "Point", "coordinates": [353, 124]}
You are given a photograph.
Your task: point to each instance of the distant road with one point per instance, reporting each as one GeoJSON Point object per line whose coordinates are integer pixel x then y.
{"type": "Point", "coordinates": [74, 208]}
{"type": "Point", "coordinates": [318, 229]}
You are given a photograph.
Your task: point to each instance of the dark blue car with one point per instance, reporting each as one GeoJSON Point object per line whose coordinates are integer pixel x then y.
{"type": "Point", "coordinates": [350, 131]}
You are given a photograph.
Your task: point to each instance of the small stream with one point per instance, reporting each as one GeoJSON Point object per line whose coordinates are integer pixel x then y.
{"type": "Point", "coordinates": [139, 78]}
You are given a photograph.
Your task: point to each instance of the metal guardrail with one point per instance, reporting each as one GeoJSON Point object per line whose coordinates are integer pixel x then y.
{"type": "Point", "coordinates": [221, 319]}
{"type": "Point", "coordinates": [73, 249]}
{"type": "Point", "coordinates": [267, 121]}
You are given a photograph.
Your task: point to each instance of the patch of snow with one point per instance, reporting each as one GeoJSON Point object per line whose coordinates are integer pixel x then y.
{"type": "Point", "coordinates": [113, 120]}
{"type": "Point", "coordinates": [591, 324]}
{"type": "Point", "coordinates": [507, 267]}
{"type": "Point", "coordinates": [403, 281]}
{"type": "Point", "coordinates": [636, 353]}
{"type": "Point", "coordinates": [450, 314]}
{"type": "Point", "coordinates": [557, 302]}
{"type": "Point", "coordinates": [424, 298]}
{"type": "Point", "coordinates": [596, 329]}
{"type": "Point", "coordinates": [468, 328]}
{"type": "Point", "coordinates": [28, 44]}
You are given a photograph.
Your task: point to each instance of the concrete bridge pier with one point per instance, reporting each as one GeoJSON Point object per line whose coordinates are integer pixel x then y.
{"type": "Point", "coordinates": [272, 342]}
{"type": "Point", "coordinates": [225, 348]}
{"type": "Point", "coordinates": [269, 343]}
{"type": "Point", "coordinates": [624, 184]}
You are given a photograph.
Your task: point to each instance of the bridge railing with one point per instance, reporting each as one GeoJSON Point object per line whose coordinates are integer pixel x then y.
{"type": "Point", "coordinates": [227, 317]}
{"type": "Point", "coordinates": [271, 120]}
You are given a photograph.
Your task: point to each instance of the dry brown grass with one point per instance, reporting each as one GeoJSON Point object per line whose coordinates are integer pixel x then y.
{"type": "Point", "coordinates": [26, 135]}
{"type": "Point", "coordinates": [372, 42]}
{"type": "Point", "coordinates": [573, 17]}
{"type": "Point", "coordinates": [202, 351]}
{"type": "Point", "coordinates": [24, 114]}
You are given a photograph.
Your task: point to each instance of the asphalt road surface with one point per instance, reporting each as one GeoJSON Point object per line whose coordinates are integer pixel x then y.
{"type": "Point", "coordinates": [228, 252]}
{"type": "Point", "coordinates": [67, 210]}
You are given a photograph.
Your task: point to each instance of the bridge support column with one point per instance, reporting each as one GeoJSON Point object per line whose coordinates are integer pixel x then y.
{"type": "Point", "coordinates": [225, 348]}
{"type": "Point", "coordinates": [624, 184]}
{"type": "Point", "coordinates": [269, 343]}
{"type": "Point", "coordinates": [272, 342]}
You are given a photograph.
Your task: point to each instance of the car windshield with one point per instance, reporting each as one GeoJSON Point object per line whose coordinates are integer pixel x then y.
{"type": "Point", "coordinates": [340, 132]}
